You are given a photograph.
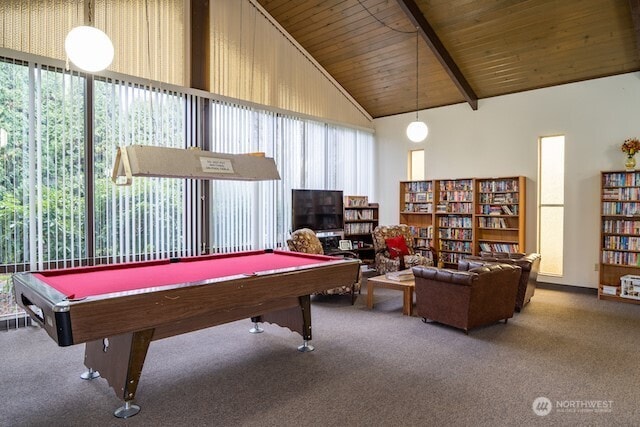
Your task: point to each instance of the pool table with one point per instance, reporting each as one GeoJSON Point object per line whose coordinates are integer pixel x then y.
{"type": "Point", "coordinates": [118, 309]}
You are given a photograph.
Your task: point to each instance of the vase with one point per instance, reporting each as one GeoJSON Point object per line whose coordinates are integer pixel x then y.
{"type": "Point", "coordinates": [630, 163]}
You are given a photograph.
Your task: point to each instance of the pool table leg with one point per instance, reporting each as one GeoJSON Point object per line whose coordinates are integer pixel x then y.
{"type": "Point", "coordinates": [297, 318]}
{"type": "Point", "coordinates": [119, 360]}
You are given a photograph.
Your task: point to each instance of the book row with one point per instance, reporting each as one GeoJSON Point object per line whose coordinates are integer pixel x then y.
{"type": "Point", "coordinates": [499, 185]}
{"type": "Point", "coordinates": [621, 226]}
{"type": "Point", "coordinates": [358, 228]}
{"type": "Point", "coordinates": [453, 221]}
{"type": "Point", "coordinates": [450, 257]}
{"type": "Point", "coordinates": [455, 233]}
{"type": "Point", "coordinates": [457, 185]}
{"type": "Point", "coordinates": [356, 201]}
{"type": "Point", "coordinates": [418, 197]}
{"type": "Point", "coordinates": [425, 232]}
{"type": "Point", "coordinates": [620, 258]}
{"type": "Point", "coordinates": [631, 194]}
{"type": "Point", "coordinates": [422, 243]}
{"type": "Point", "coordinates": [485, 222]}
{"type": "Point", "coordinates": [621, 179]}
{"type": "Point", "coordinates": [455, 207]}
{"type": "Point", "coordinates": [498, 198]}
{"type": "Point", "coordinates": [456, 196]}
{"type": "Point", "coordinates": [418, 207]}
{"type": "Point", "coordinates": [498, 209]}
{"type": "Point", "coordinates": [456, 246]}
{"type": "Point", "coordinates": [620, 208]}
{"type": "Point", "coordinates": [499, 247]}
{"type": "Point", "coordinates": [416, 186]}
{"type": "Point", "coordinates": [621, 243]}
{"type": "Point", "coordinates": [352, 214]}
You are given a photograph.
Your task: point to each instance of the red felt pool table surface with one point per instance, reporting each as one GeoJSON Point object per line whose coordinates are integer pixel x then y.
{"type": "Point", "coordinates": [76, 283]}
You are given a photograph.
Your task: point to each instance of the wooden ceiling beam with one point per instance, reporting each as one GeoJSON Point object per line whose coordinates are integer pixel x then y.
{"type": "Point", "coordinates": [416, 17]}
{"type": "Point", "coordinates": [634, 5]}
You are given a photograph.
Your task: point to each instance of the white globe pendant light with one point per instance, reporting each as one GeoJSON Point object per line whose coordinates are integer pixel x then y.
{"type": "Point", "coordinates": [89, 48]}
{"type": "Point", "coordinates": [417, 131]}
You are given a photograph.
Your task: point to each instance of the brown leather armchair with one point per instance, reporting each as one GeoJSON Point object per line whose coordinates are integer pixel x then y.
{"type": "Point", "coordinates": [305, 240]}
{"type": "Point", "coordinates": [384, 263]}
{"type": "Point", "coordinates": [529, 263]}
{"type": "Point", "coordinates": [466, 299]}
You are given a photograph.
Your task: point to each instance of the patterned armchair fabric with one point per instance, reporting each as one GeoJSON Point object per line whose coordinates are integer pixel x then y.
{"type": "Point", "coordinates": [305, 240]}
{"type": "Point", "coordinates": [383, 261]}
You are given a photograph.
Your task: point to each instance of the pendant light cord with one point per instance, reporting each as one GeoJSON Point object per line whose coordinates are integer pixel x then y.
{"type": "Point", "coordinates": [417, 42]}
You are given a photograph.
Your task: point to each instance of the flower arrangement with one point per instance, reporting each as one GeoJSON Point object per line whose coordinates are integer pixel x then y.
{"type": "Point", "coordinates": [631, 146]}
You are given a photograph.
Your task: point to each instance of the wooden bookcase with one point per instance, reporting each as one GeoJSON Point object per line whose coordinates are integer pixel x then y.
{"type": "Point", "coordinates": [459, 217]}
{"type": "Point", "coordinates": [454, 220]}
{"type": "Point", "coordinates": [416, 210]}
{"type": "Point", "coordinates": [620, 236]}
{"type": "Point", "coordinates": [500, 207]}
{"type": "Point", "coordinates": [360, 219]}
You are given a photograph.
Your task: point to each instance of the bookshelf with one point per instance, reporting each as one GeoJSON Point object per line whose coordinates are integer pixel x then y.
{"type": "Point", "coordinates": [360, 218]}
{"type": "Point", "coordinates": [454, 219]}
{"type": "Point", "coordinates": [500, 208]}
{"type": "Point", "coordinates": [460, 217]}
{"type": "Point", "coordinates": [416, 210]}
{"type": "Point", "coordinates": [620, 236]}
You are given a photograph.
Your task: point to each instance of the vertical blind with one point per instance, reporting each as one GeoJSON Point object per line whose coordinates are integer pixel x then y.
{"type": "Point", "coordinates": [152, 48]}
{"type": "Point", "coordinates": [150, 218]}
{"type": "Point", "coordinates": [42, 152]}
{"type": "Point", "coordinates": [52, 198]}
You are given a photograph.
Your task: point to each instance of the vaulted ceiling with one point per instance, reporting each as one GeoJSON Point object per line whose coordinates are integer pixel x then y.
{"type": "Point", "coordinates": [467, 49]}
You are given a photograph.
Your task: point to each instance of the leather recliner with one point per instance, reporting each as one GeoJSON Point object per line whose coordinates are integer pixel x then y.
{"type": "Point", "coordinates": [466, 299]}
{"type": "Point", "coordinates": [529, 263]}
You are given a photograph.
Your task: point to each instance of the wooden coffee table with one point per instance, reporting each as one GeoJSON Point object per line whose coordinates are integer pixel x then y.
{"type": "Point", "coordinates": [406, 286]}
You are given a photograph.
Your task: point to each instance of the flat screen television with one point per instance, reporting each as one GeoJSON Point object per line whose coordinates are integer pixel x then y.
{"type": "Point", "coordinates": [319, 210]}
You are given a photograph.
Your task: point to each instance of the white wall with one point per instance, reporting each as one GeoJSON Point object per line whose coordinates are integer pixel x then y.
{"type": "Point", "coordinates": [501, 139]}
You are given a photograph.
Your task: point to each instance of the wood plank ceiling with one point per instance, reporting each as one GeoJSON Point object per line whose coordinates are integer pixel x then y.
{"type": "Point", "coordinates": [499, 46]}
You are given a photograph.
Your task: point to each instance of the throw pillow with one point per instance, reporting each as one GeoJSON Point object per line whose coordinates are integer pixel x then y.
{"type": "Point", "coordinates": [397, 247]}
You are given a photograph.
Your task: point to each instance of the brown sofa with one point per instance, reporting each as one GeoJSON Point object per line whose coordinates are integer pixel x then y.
{"type": "Point", "coordinates": [466, 299]}
{"type": "Point", "coordinates": [529, 263]}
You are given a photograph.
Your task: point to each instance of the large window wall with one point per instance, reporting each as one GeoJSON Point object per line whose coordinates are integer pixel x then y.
{"type": "Point", "coordinates": [59, 132]}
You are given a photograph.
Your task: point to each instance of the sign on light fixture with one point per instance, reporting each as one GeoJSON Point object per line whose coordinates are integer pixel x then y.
{"type": "Point", "coordinates": [89, 48]}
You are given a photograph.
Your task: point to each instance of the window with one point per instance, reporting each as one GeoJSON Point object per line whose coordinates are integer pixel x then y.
{"type": "Point", "coordinates": [416, 165]}
{"type": "Point", "coordinates": [42, 169]}
{"type": "Point", "coordinates": [148, 219]}
{"type": "Point", "coordinates": [551, 204]}
{"type": "Point", "coordinates": [59, 133]}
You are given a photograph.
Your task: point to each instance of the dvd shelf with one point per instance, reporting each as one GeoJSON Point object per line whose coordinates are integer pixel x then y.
{"type": "Point", "coordinates": [360, 218]}
{"type": "Point", "coordinates": [619, 236]}
{"type": "Point", "coordinates": [461, 217]}
{"type": "Point", "coordinates": [416, 210]}
{"type": "Point", "coordinates": [454, 212]}
{"type": "Point", "coordinates": [500, 225]}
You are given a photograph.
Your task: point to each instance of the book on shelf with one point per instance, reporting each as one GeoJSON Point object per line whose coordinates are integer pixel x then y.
{"type": "Point", "coordinates": [356, 201]}
{"type": "Point", "coordinates": [507, 210]}
{"type": "Point", "coordinates": [499, 247]}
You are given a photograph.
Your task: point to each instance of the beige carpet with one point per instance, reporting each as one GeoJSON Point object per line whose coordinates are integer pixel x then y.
{"type": "Point", "coordinates": [370, 368]}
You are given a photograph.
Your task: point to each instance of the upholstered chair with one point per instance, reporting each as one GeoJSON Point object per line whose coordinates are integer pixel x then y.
{"type": "Point", "coordinates": [467, 299]}
{"type": "Point", "coordinates": [529, 263]}
{"type": "Point", "coordinates": [387, 259]}
{"type": "Point", "coordinates": [305, 240]}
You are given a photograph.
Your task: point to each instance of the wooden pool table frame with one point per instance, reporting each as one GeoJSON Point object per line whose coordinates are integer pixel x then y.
{"type": "Point", "coordinates": [118, 328]}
